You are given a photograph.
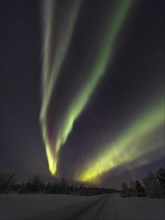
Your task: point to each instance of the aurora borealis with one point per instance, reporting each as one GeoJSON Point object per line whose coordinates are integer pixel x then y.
{"type": "Point", "coordinates": [58, 124]}
{"type": "Point", "coordinates": [127, 147]}
{"type": "Point", "coordinates": [83, 88]}
{"type": "Point", "coordinates": [52, 64]}
{"type": "Point", "coordinates": [82, 95]}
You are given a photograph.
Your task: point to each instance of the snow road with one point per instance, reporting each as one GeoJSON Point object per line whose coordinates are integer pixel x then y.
{"type": "Point", "coordinates": [93, 209]}
{"type": "Point", "coordinates": [66, 207]}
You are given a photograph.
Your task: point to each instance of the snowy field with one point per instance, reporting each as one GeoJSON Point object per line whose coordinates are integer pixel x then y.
{"type": "Point", "coordinates": [58, 207]}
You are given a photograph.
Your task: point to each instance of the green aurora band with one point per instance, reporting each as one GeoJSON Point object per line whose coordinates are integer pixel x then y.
{"type": "Point", "coordinates": [82, 97]}
{"type": "Point", "coordinates": [128, 147]}
{"type": "Point", "coordinates": [51, 68]}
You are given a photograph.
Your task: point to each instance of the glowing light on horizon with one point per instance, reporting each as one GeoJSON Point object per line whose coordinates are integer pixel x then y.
{"type": "Point", "coordinates": [126, 148]}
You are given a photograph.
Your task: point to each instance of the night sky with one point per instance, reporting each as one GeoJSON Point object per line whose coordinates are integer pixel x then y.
{"type": "Point", "coordinates": [82, 91]}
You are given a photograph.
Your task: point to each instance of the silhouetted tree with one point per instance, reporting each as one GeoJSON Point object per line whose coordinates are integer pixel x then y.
{"type": "Point", "coordinates": [161, 178]}
{"type": "Point", "coordinates": [125, 190]}
{"type": "Point", "coordinates": [37, 185]}
{"type": "Point", "coordinates": [63, 186]}
{"type": "Point", "coordinates": [33, 186]}
{"type": "Point", "coordinates": [140, 191]}
{"type": "Point", "coordinates": [22, 188]}
{"type": "Point", "coordinates": [52, 188]}
{"type": "Point", "coordinates": [7, 182]}
{"type": "Point", "coordinates": [133, 189]}
{"type": "Point", "coordinates": [152, 186]}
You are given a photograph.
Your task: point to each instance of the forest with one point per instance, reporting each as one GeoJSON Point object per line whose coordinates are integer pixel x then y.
{"type": "Point", "coordinates": [152, 185]}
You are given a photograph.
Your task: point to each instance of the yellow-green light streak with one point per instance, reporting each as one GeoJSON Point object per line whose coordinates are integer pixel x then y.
{"type": "Point", "coordinates": [127, 147]}
{"type": "Point", "coordinates": [50, 73]}
{"type": "Point", "coordinates": [96, 71]}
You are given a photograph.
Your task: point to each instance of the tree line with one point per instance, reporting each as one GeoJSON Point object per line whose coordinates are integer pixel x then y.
{"type": "Point", "coordinates": [153, 186]}
{"type": "Point", "coordinates": [36, 185]}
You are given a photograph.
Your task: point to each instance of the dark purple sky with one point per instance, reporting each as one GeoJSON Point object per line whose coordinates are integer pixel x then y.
{"type": "Point", "coordinates": [134, 78]}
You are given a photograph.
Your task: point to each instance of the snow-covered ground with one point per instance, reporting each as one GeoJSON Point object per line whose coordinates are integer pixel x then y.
{"type": "Point", "coordinates": [19, 206]}
{"type": "Point", "coordinates": [139, 208]}
{"type": "Point", "coordinates": [110, 207]}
